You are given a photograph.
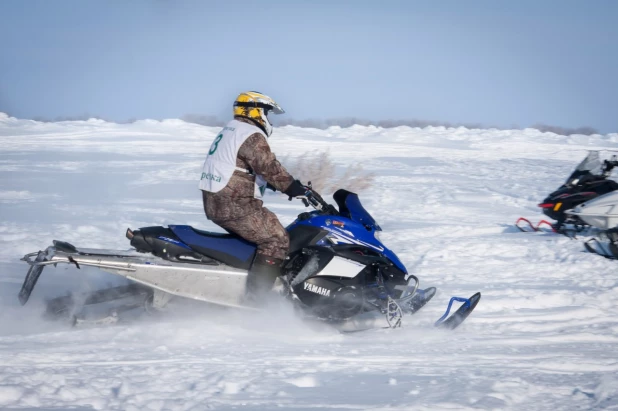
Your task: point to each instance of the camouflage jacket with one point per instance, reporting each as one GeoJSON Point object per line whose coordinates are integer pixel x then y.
{"type": "Point", "coordinates": [237, 198]}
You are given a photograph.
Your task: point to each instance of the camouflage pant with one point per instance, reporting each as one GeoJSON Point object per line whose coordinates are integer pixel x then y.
{"type": "Point", "coordinates": [245, 216]}
{"type": "Point", "coordinates": [262, 228]}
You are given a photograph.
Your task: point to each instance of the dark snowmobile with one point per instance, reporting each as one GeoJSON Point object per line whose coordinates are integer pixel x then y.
{"type": "Point", "coordinates": [588, 181]}
{"type": "Point", "coordinates": [337, 270]}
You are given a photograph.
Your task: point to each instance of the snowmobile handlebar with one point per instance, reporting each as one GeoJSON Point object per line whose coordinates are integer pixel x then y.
{"type": "Point", "coordinates": [315, 200]}
{"type": "Point", "coordinates": [608, 165]}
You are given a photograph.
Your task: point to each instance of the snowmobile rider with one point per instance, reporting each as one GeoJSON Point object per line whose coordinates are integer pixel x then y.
{"type": "Point", "coordinates": [238, 168]}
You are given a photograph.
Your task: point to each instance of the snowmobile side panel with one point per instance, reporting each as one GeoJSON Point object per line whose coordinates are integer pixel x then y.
{"type": "Point", "coordinates": [304, 236]}
{"type": "Point", "coordinates": [601, 212]}
{"type": "Point", "coordinates": [343, 231]}
{"type": "Point", "coordinates": [219, 284]}
{"type": "Point", "coordinates": [319, 293]}
{"type": "Point", "coordinates": [361, 254]}
{"type": "Point", "coordinates": [215, 285]}
{"type": "Point", "coordinates": [603, 222]}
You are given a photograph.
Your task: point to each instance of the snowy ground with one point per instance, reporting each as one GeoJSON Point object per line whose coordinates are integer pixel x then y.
{"type": "Point", "coordinates": [544, 336]}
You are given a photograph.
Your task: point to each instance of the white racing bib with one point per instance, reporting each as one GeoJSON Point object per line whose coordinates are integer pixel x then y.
{"type": "Point", "coordinates": [220, 162]}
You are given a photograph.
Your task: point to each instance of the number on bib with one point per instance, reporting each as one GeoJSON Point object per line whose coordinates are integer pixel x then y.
{"type": "Point", "coordinates": [215, 144]}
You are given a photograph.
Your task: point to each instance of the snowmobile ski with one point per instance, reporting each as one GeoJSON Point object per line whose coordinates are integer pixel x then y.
{"type": "Point", "coordinates": [605, 246]}
{"type": "Point", "coordinates": [458, 317]}
{"type": "Point", "coordinates": [569, 229]}
{"type": "Point", "coordinates": [533, 228]}
{"type": "Point", "coordinates": [594, 246]}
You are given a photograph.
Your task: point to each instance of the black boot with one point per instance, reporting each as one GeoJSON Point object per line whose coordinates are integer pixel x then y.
{"type": "Point", "coordinates": [261, 278]}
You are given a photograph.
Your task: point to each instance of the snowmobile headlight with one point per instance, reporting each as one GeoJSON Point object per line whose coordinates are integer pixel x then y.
{"type": "Point", "coordinates": [377, 234]}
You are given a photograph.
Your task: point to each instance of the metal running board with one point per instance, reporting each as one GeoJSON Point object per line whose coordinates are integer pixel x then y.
{"type": "Point", "coordinates": [220, 284]}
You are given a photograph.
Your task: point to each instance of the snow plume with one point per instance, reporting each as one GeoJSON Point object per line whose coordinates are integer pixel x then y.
{"type": "Point", "coordinates": [319, 168]}
{"type": "Point", "coordinates": [198, 323]}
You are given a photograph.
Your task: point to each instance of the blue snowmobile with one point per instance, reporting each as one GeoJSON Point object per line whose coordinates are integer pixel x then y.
{"type": "Point", "coordinates": [337, 271]}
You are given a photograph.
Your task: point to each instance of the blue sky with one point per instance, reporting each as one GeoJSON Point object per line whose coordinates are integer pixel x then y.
{"type": "Point", "coordinates": [493, 62]}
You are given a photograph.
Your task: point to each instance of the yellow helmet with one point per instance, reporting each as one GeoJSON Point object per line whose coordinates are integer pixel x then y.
{"type": "Point", "coordinates": [257, 106]}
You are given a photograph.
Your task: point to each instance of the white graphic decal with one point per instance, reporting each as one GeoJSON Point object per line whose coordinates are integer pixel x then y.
{"type": "Point", "coordinates": [345, 231]}
{"type": "Point", "coordinates": [342, 267]}
{"type": "Point", "coordinates": [336, 238]}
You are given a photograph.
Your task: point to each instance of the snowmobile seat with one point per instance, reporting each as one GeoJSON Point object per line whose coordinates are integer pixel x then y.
{"type": "Point", "coordinates": [229, 249]}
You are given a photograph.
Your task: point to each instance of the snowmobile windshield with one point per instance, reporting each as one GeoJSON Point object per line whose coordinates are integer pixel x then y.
{"type": "Point", "coordinates": [591, 165]}
{"type": "Point", "coordinates": [351, 207]}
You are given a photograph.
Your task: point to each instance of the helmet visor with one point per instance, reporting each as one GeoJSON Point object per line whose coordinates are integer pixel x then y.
{"type": "Point", "coordinates": [276, 109]}
{"type": "Point", "coordinates": [268, 107]}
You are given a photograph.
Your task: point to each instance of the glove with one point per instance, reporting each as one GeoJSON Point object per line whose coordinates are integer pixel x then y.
{"type": "Point", "coordinates": [270, 187]}
{"type": "Point", "coordinates": [296, 189]}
